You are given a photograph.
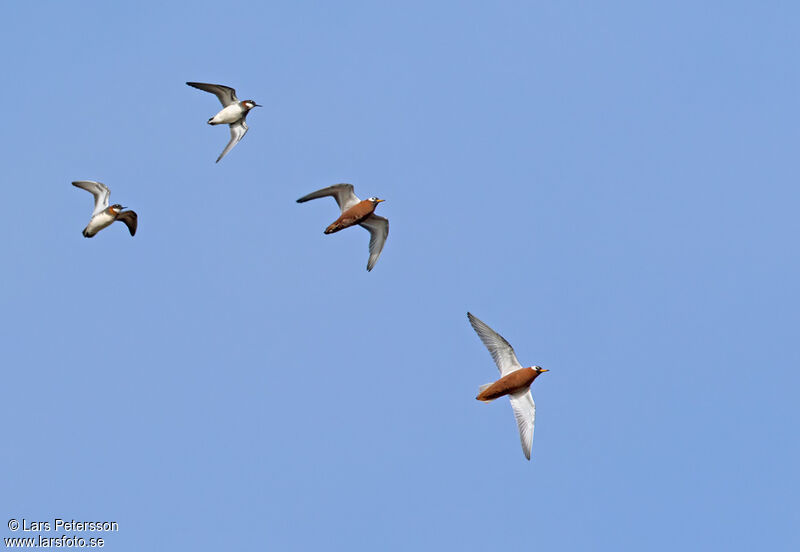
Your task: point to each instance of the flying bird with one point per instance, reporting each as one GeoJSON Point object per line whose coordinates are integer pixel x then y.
{"type": "Point", "coordinates": [355, 211]}
{"type": "Point", "coordinates": [515, 381]}
{"type": "Point", "coordinates": [103, 215]}
{"type": "Point", "coordinates": [233, 112]}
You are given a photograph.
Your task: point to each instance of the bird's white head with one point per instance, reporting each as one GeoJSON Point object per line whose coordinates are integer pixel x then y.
{"type": "Point", "coordinates": [250, 104]}
{"type": "Point", "coordinates": [539, 369]}
{"type": "Point", "coordinates": [116, 208]}
{"type": "Point", "coordinates": [375, 200]}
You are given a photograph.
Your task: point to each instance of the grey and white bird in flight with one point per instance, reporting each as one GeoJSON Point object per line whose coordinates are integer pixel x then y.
{"type": "Point", "coordinates": [233, 112]}
{"type": "Point", "coordinates": [515, 381]}
{"type": "Point", "coordinates": [103, 215]}
{"type": "Point", "coordinates": [355, 211]}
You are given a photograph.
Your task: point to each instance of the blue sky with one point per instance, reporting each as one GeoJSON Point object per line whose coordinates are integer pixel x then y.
{"type": "Point", "coordinates": [611, 186]}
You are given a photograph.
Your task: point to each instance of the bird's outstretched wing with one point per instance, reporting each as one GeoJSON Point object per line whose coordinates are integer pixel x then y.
{"type": "Point", "coordinates": [378, 231]}
{"type": "Point", "coordinates": [131, 220]}
{"type": "Point", "coordinates": [226, 94]}
{"type": "Point", "coordinates": [238, 130]}
{"type": "Point", "coordinates": [502, 352]}
{"type": "Point", "coordinates": [525, 413]}
{"type": "Point", "coordinates": [98, 190]}
{"type": "Point", "coordinates": [343, 194]}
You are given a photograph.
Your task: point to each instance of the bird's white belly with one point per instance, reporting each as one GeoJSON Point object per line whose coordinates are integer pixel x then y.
{"type": "Point", "coordinates": [228, 115]}
{"type": "Point", "coordinates": [98, 222]}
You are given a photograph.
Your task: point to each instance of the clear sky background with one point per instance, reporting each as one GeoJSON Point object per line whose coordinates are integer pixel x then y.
{"type": "Point", "coordinates": [612, 186]}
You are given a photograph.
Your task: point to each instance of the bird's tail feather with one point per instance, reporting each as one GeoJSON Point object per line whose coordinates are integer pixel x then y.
{"type": "Point", "coordinates": [481, 389]}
